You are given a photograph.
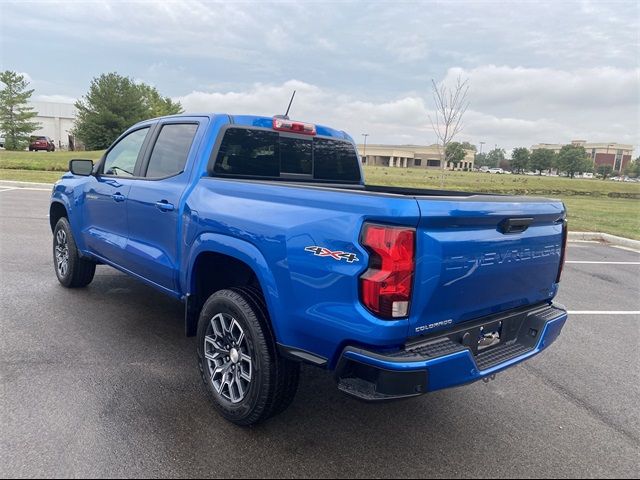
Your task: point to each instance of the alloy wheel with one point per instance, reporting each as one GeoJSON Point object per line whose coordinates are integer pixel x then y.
{"type": "Point", "coordinates": [228, 358]}
{"type": "Point", "coordinates": [62, 253]}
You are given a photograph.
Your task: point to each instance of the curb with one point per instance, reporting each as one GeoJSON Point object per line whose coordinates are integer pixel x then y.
{"type": "Point", "coordinates": [606, 238]}
{"type": "Point", "coordinates": [17, 184]}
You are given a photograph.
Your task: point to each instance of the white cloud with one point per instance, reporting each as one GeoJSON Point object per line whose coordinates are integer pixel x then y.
{"type": "Point", "coordinates": [544, 71]}
{"type": "Point", "coordinates": [582, 88]}
{"type": "Point", "coordinates": [405, 119]}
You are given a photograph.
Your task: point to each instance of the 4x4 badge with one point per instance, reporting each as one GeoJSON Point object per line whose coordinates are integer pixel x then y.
{"type": "Point", "coordinates": [337, 255]}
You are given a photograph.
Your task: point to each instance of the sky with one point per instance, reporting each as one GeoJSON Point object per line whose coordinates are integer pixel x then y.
{"type": "Point", "coordinates": [538, 72]}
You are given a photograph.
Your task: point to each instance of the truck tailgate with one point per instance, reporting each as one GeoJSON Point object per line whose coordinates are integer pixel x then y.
{"type": "Point", "coordinates": [480, 255]}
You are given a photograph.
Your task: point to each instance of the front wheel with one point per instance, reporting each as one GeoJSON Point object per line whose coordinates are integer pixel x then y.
{"type": "Point", "coordinates": [72, 270]}
{"type": "Point", "coordinates": [247, 379]}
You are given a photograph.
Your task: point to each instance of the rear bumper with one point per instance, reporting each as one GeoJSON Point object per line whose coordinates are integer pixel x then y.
{"type": "Point", "coordinates": [450, 359]}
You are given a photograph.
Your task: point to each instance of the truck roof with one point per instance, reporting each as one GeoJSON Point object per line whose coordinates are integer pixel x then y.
{"type": "Point", "coordinates": [260, 121]}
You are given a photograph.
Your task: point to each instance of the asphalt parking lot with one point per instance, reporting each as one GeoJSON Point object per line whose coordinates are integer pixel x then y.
{"type": "Point", "coordinates": [102, 382]}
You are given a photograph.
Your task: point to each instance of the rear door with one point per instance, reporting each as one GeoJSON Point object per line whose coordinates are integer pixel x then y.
{"type": "Point", "coordinates": [480, 255]}
{"type": "Point", "coordinates": [154, 206]}
{"type": "Point", "coordinates": [105, 226]}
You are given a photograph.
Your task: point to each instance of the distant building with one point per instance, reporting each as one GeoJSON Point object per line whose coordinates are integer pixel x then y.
{"type": "Point", "coordinates": [56, 121]}
{"type": "Point", "coordinates": [410, 156]}
{"type": "Point", "coordinates": [615, 154]}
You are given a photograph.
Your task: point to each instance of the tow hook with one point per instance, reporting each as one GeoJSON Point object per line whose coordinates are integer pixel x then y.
{"type": "Point", "coordinates": [489, 378]}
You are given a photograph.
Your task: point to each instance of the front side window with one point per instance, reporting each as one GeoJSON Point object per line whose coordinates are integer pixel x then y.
{"type": "Point", "coordinates": [121, 159]}
{"type": "Point", "coordinates": [170, 152]}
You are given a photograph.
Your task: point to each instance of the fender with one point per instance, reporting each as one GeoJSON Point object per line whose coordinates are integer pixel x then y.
{"type": "Point", "coordinates": [71, 196]}
{"type": "Point", "coordinates": [240, 250]}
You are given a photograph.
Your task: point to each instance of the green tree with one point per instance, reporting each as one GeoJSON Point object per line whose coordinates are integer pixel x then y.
{"type": "Point", "coordinates": [633, 168]}
{"type": "Point", "coordinates": [455, 153]}
{"type": "Point", "coordinates": [505, 164]}
{"type": "Point", "coordinates": [157, 105]}
{"type": "Point", "coordinates": [114, 103]}
{"type": "Point", "coordinates": [15, 115]}
{"type": "Point", "coordinates": [520, 159]}
{"type": "Point", "coordinates": [481, 160]}
{"type": "Point", "coordinates": [495, 157]}
{"type": "Point", "coordinates": [573, 159]}
{"type": "Point", "coordinates": [542, 159]}
{"type": "Point", "coordinates": [605, 171]}
{"type": "Point", "coordinates": [469, 146]}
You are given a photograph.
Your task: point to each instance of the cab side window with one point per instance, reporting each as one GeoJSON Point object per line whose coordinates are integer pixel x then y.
{"type": "Point", "coordinates": [170, 152]}
{"type": "Point", "coordinates": [121, 159]}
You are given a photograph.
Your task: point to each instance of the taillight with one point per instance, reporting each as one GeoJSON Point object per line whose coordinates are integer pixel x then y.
{"type": "Point", "coordinates": [385, 288]}
{"type": "Point", "coordinates": [563, 252]}
{"type": "Point", "coordinates": [285, 125]}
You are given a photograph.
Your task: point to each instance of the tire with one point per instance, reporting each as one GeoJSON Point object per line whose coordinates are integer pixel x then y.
{"type": "Point", "coordinates": [247, 380]}
{"type": "Point", "coordinates": [72, 270]}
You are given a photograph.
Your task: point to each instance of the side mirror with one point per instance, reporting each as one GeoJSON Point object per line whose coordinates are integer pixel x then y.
{"type": "Point", "coordinates": [81, 167]}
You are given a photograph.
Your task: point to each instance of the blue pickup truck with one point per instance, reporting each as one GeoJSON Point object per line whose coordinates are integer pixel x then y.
{"type": "Point", "coordinates": [264, 228]}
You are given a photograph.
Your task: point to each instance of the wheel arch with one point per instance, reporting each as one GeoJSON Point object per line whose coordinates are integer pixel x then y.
{"type": "Point", "coordinates": [219, 261]}
{"type": "Point", "coordinates": [57, 210]}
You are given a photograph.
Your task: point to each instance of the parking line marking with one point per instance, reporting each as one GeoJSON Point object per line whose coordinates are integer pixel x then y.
{"type": "Point", "coordinates": [4, 189]}
{"type": "Point", "coordinates": [603, 312]}
{"type": "Point", "coordinates": [602, 263]}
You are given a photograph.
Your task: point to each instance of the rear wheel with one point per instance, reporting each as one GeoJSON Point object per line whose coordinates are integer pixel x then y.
{"type": "Point", "coordinates": [247, 379]}
{"type": "Point", "coordinates": [72, 270]}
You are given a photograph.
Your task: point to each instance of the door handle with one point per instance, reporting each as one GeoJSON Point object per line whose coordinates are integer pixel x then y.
{"type": "Point", "coordinates": [514, 225]}
{"type": "Point", "coordinates": [164, 206]}
{"type": "Point", "coordinates": [118, 197]}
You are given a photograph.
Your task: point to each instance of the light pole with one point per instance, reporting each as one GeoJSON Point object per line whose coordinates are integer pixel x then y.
{"type": "Point", "coordinates": [364, 150]}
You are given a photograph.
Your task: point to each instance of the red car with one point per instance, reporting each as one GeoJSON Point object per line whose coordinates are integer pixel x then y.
{"type": "Point", "coordinates": [42, 143]}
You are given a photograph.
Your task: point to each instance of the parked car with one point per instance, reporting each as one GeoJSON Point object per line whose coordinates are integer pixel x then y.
{"type": "Point", "coordinates": [1, 141]}
{"type": "Point", "coordinates": [495, 170]}
{"type": "Point", "coordinates": [265, 229]}
{"type": "Point", "coordinates": [41, 143]}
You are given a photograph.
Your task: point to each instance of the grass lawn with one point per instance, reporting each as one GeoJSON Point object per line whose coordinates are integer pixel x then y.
{"type": "Point", "coordinates": [38, 176]}
{"type": "Point", "coordinates": [44, 161]}
{"type": "Point", "coordinates": [593, 205]}
{"type": "Point", "coordinates": [618, 216]}
{"type": "Point", "coordinates": [494, 183]}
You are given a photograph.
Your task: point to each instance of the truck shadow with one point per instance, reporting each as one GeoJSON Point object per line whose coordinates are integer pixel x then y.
{"type": "Point", "coordinates": [161, 397]}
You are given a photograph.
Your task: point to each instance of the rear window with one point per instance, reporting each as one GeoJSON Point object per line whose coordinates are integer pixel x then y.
{"type": "Point", "coordinates": [335, 160]}
{"type": "Point", "coordinates": [267, 154]}
{"type": "Point", "coordinates": [248, 152]}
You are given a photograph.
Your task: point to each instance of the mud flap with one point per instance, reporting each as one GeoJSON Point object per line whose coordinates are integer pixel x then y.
{"type": "Point", "coordinates": [191, 312]}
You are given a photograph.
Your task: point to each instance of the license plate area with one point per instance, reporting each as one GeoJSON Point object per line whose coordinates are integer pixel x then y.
{"type": "Point", "coordinates": [489, 336]}
{"type": "Point", "coordinates": [483, 335]}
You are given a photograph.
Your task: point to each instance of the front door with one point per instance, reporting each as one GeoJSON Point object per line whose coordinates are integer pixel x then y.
{"type": "Point", "coordinates": [106, 195]}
